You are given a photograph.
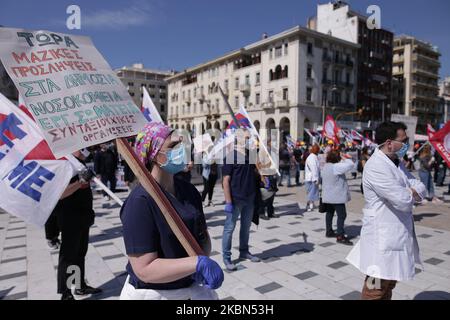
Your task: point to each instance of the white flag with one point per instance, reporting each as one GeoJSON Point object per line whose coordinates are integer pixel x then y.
{"type": "Point", "coordinates": [148, 108]}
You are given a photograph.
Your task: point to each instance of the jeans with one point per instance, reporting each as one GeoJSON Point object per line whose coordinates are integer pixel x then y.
{"type": "Point", "coordinates": [427, 180]}
{"type": "Point", "coordinates": [285, 172]}
{"type": "Point", "coordinates": [341, 215]}
{"type": "Point", "coordinates": [244, 209]}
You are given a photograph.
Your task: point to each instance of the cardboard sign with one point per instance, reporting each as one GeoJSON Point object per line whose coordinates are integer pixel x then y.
{"type": "Point", "coordinates": [69, 88]}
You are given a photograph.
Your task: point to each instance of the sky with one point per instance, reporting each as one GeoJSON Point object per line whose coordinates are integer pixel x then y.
{"type": "Point", "coordinates": [178, 34]}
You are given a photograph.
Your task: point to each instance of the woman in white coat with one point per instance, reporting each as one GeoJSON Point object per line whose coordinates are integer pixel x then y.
{"type": "Point", "coordinates": [312, 175]}
{"type": "Point", "coordinates": [388, 248]}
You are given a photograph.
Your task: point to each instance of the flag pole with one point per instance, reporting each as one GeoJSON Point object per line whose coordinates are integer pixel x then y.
{"type": "Point", "coordinates": [230, 110]}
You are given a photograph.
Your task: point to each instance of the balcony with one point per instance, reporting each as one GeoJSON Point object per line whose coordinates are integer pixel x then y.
{"type": "Point", "coordinates": [427, 59]}
{"type": "Point", "coordinates": [283, 104]}
{"type": "Point", "coordinates": [425, 72]}
{"type": "Point", "coordinates": [268, 105]}
{"type": "Point", "coordinates": [326, 58]}
{"type": "Point", "coordinates": [201, 97]}
{"type": "Point", "coordinates": [245, 88]}
{"type": "Point", "coordinates": [188, 100]}
{"type": "Point", "coordinates": [349, 63]}
{"type": "Point", "coordinates": [327, 82]}
{"type": "Point", "coordinates": [422, 96]}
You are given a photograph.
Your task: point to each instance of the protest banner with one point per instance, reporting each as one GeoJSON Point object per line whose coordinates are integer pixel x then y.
{"type": "Point", "coordinates": [441, 142]}
{"type": "Point", "coordinates": [330, 129]}
{"type": "Point", "coordinates": [70, 90]}
{"type": "Point", "coordinates": [202, 143]}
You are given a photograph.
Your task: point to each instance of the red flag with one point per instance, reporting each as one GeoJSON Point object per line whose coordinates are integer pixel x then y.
{"type": "Point", "coordinates": [330, 129]}
{"type": "Point", "coordinates": [441, 142]}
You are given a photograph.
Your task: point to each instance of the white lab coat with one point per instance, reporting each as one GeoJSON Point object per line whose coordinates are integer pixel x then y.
{"type": "Point", "coordinates": [312, 168]}
{"type": "Point", "coordinates": [388, 247]}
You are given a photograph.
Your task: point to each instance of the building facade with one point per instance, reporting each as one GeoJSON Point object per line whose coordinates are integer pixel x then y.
{"type": "Point", "coordinates": [136, 77]}
{"type": "Point", "coordinates": [285, 81]}
{"type": "Point", "coordinates": [416, 73]}
{"type": "Point", "coordinates": [374, 56]}
{"type": "Point", "coordinates": [444, 96]}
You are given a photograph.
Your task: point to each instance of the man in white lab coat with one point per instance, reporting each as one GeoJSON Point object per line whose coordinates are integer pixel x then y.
{"type": "Point", "coordinates": [388, 248]}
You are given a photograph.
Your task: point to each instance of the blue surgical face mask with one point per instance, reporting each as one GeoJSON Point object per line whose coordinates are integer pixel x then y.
{"type": "Point", "coordinates": [402, 152]}
{"type": "Point", "coordinates": [176, 160]}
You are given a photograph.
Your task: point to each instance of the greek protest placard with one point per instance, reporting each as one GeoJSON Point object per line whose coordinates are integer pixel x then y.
{"type": "Point", "coordinates": [69, 88]}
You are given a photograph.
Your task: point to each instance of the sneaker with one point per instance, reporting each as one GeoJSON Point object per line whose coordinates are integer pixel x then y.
{"type": "Point", "coordinates": [344, 240]}
{"type": "Point", "coordinates": [230, 266]}
{"type": "Point", "coordinates": [264, 217]}
{"type": "Point", "coordinates": [87, 290]}
{"type": "Point", "coordinates": [437, 201]}
{"type": "Point", "coordinates": [206, 205]}
{"type": "Point", "coordinates": [248, 256]}
{"type": "Point", "coordinates": [311, 207]}
{"type": "Point", "coordinates": [273, 216]}
{"type": "Point", "coordinates": [54, 244]}
{"type": "Point", "coordinates": [106, 198]}
{"type": "Point", "coordinates": [211, 204]}
{"type": "Point", "coordinates": [331, 234]}
{"type": "Point", "coordinates": [67, 296]}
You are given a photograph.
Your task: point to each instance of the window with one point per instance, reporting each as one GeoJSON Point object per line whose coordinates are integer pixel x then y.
{"type": "Point", "coordinates": [285, 94]}
{"type": "Point", "coordinates": [217, 104]}
{"type": "Point", "coordinates": [324, 96]}
{"type": "Point", "coordinates": [152, 96]}
{"type": "Point", "coordinates": [258, 78]}
{"type": "Point", "coordinates": [132, 94]}
{"type": "Point", "coordinates": [271, 96]}
{"type": "Point", "coordinates": [226, 84]}
{"type": "Point", "coordinates": [270, 53]}
{"type": "Point", "coordinates": [347, 97]}
{"type": "Point", "coordinates": [151, 86]}
{"type": "Point", "coordinates": [310, 48]}
{"type": "Point", "coordinates": [286, 49]}
{"type": "Point", "coordinates": [162, 96]}
{"type": "Point", "coordinates": [347, 78]}
{"type": "Point", "coordinates": [162, 107]}
{"type": "Point", "coordinates": [182, 95]}
{"type": "Point", "coordinates": [257, 98]}
{"type": "Point", "coordinates": [162, 87]}
{"type": "Point", "coordinates": [195, 92]}
{"type": "Point", "coordinates": [131, 84]}
{"type": "Point", "coordinates": [309, 94]}
{"type": "Point", "coordinates": [247, 79]}
{"type": "Point", "coordinates": [236, 83]}
{"type": "Point", "coordinates": [278, 52]}
{"type": "Point", "coordinates": [325, 74]}
{"type": "Point", "coordinates": [279, 73]}
{"type": "Point", "coordinates": [309, 71]}
{"type": "Point", "coordinates": [236, 102]}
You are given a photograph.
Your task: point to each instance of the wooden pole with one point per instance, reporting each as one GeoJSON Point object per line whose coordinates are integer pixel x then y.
{"type": "Point", "coordinates": [151, 186]}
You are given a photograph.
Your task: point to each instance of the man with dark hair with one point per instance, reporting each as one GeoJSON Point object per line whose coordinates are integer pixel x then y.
{"type": "Point", "coordinates": [105, 166]}
{"type": "Point", "coordinates": [388, 248]}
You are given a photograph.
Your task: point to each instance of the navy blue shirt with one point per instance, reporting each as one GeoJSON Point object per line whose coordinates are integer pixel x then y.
{"type": "Point", "coordinates": [242, 176]}
{"type": "Point", "coordinates": [145, 229]}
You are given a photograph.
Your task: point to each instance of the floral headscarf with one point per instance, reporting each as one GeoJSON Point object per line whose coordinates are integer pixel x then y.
{"type": "Point", "coordinates": [150, 140]}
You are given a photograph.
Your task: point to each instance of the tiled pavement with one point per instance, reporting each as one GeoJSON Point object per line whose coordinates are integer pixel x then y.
{"type": "Point", "coordinates": [298, 261]}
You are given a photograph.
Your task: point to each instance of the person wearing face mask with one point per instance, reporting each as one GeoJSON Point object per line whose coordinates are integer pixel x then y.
{"type": "Point", "coordinates": [158, 266]}
{"type": "Point", "coordinates": [239, 190]}
{"type": "Point", "coordinates": [312, 176]}
{"type": "Point", "coordinates": [74, 216]}
{"type": "Point", "coordinates": [388, 250]}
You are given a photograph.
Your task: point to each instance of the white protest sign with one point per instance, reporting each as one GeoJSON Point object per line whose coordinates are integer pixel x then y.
{"type": "Point", "coordinates": [69, 88]}
{"type": "Point", "coordinates": [410, 122]}
{"type": "Point", "coordinates": [202, 143]}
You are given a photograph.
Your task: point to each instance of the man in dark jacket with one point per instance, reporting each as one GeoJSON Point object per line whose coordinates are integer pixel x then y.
{"type": "Point", "coordinates": [105, 166]}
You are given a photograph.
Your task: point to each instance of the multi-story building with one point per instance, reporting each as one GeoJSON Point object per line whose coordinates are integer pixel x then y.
{"type": "Point", "coordinates": [374, 55]}
{"type": "Point", "coordinates": [283, 81]}
{"type": "Point", "coordinates": [416, 72]}
{"type": "Point", "coordinates": [136, 77]}
{"type": "Point", "coordinates": [444, 95]}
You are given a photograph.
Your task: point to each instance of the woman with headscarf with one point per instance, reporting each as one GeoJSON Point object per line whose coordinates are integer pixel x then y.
{"type": "Point", "coordinates": [159, 267]}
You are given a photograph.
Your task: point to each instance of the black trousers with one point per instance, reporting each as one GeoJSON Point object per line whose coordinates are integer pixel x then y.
{"type": "Point", "coordinates": [51, 227]}
{"type": "Point", "coordinates": [268, 203]}
{"type": "Point", "coordinates": [112, 180]}
{"type": "Point", "coordinates": [341, 215]}
{"type": "Point", "coordinates": [208, 187]}
{"type": "Point", "coordinates": [72, 253]}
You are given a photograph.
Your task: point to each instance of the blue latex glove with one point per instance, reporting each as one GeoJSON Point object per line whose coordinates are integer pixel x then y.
{"type": "Point", "coordinates": [208, 272]}
{"type": "Point", "coordinates": [266, 183]}
{"type": "Point", "coordinates": [229, 207]}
